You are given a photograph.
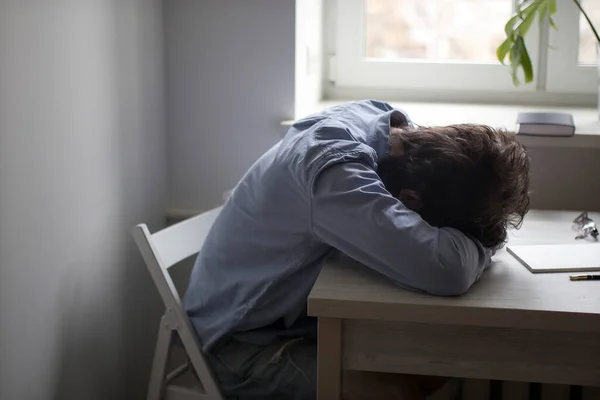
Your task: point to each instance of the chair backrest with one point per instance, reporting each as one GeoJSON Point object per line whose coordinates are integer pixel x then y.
{"type": "Point", "coordinates": [161, 251]}
{"type": "Point", "coordinates": [179, 241]}
{"type": "Point", "coordinates": [167, 247]}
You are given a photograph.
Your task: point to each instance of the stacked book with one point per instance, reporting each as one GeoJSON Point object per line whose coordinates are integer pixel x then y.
{"type": "Point", "coordinates": [545, 124]}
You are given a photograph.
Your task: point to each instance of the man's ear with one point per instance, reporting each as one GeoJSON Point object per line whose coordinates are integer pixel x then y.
{"type": "Point", "coordinates": [411, 199]}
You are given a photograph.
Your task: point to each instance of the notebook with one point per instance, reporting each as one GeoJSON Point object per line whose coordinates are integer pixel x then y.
{"type": "Point", "coordinates": [558, 257]}
{"type": "Point", "coordinates": [545, 124]}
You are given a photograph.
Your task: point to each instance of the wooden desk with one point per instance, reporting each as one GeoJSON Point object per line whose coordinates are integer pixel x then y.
{"type": "Point", "coordinates": [512, 325]}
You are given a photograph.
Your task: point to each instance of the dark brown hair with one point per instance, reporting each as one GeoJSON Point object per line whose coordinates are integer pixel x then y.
{"type": "Point", "coordinates": [470, 177]}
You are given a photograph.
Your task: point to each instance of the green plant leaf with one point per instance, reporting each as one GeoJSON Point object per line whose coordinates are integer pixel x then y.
{"type": "Point", "coordinates": [509, 28]}
{"type": "Point", "coordinates": [515, 62]}
{"type": "Point", "coordinates": [515, 29]}
{"type": "Point", "coordinates": [523, 11]}
{"type": "Point", "coordinates": [503, 49]}
{"type": "Point", "coordinates": [519, 58]}
{"type": "Point", "coordinates": [526, 61]}
{"type": "Point", "coordinates": [525, 23]}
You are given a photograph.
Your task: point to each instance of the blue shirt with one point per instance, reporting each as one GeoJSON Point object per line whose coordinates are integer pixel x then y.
{"type": "Point", "coordinates": [315, 191]}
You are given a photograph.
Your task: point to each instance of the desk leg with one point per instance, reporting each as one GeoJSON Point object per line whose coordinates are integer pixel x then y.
{"type": "Point", "coordinates": [329, 359]}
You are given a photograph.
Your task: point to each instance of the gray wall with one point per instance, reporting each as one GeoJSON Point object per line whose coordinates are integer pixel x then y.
{"type": "Point", "coordinates": [81, 161]}
{"type": "Point", "coordinates": [565, 178]}
{"type": "Point", "coordinates": [230, 82]}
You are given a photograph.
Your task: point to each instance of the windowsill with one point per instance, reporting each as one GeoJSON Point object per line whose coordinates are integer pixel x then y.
{"type": "Point", "coordinates": [587, 123]}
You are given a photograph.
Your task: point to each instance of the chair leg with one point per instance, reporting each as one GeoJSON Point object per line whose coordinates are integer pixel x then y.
{"type": "Point", "coordinates": [207, 379]}
{"type": "Point", "coordinates": [159, 364]}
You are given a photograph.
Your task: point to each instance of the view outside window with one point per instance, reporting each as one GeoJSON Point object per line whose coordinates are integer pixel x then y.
{"type": "Point", "coordinates": [443, 30]}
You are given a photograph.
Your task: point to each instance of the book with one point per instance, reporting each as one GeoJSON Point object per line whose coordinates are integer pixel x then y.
{"type": "Point", "coordinates": [558, 257]}
{"type": "Point", "coordinates": [545, 124]}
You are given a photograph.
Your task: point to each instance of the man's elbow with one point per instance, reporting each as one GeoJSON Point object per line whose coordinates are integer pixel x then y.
{"type": "Point", "coordinates": [457, 267]}
{"type": "Point", "coordinates": [450, 282]}
{"type": "Point", "coordinates": [453, 287]}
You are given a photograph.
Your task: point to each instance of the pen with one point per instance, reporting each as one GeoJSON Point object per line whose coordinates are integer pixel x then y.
{"type": "Point", "coordinates": [584, 277]}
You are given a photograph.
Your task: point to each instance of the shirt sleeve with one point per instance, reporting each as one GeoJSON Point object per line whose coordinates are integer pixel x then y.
{"type": "Point", "coordinates": [353, 212]}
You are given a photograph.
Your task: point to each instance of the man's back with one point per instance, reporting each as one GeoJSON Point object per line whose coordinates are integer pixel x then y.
{"type": "Point", "coordinates": [261, 257]}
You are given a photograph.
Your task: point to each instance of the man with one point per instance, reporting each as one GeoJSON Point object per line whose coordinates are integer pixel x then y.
{"type": "Point", "coordinates": [425, 207]}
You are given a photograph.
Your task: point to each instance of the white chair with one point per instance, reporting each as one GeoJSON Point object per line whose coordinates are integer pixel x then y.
{"type": "Point", "coordinates": [161, 251]}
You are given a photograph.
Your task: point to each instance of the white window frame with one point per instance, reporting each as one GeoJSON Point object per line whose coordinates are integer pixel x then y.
{"type": "Point", "coordinates": [565, 75]}
{"type": "Point", "coordinates": [353, 70]}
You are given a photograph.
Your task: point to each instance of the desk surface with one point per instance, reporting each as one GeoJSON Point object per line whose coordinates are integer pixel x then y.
{"type": "Point", "coordinates": [508, 295]}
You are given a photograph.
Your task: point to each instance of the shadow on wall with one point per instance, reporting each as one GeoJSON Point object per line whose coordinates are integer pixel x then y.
{"type": "Point", "coordinates": [110, 306]}
{"type": "Point", "coordinates": [107, 354]}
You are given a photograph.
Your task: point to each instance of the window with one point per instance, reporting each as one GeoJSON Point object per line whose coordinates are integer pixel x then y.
{"type": "Point", "coordinates": [587, 40]}
{"type": "Point", "coordinates": [425, 44]}
{"type": "Point", "coordinates": [572, 55]}
{"type": "Point", "coordinates": [450, 45]}
{"type": "Point", "coordinates": [434, 30]}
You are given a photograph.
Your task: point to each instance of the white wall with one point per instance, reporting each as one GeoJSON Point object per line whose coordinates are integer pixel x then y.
{"type": "Point", "coordinates": [81, 161]}
{"type": "Point", "coordinates": [309, 56]}
{"type": "Point", "coordinates": [230, 82]}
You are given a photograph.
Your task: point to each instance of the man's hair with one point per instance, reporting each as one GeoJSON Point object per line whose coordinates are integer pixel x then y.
{"type": "Point", "coordinates": [469, 177]}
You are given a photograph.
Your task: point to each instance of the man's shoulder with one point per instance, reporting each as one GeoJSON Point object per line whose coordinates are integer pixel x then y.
{"type": "Point", "coordinates": [356, 108]}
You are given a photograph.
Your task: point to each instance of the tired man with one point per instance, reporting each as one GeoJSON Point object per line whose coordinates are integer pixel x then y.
{"type": "Point", "coordinates": [425, 207]}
